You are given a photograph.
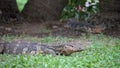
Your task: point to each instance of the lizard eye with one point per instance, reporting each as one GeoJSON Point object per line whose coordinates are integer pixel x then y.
{"type": "Point", "coordinates": [57, 53]}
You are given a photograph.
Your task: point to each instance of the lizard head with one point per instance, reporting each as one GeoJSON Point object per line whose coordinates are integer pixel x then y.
{"type": "Point", "coordinates": [69, 49]}
{"type": "Point", "coordinates": [98, 28]}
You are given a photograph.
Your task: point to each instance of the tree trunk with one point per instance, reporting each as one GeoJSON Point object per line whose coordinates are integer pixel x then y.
{"type": "Point", "coordinates": [34, 10]}
{"type": "Point", "coordinates": [38, 10]}
{"type": "Point", "coordinates": [8, 10]}
{"type": "Point", "coordinates": [109, 14]}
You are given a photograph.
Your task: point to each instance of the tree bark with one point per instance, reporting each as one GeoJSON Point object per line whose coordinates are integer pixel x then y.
{"type": "Point", "coordinates": [34, 10]}
{"type": "Point", "coordinates": [8, 10]}
{"type": "Point", "coordinates": [44, 10]}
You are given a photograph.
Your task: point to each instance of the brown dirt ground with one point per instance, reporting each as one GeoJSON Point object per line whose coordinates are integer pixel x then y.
{"type": "Point", "coordinates": [54, 28]}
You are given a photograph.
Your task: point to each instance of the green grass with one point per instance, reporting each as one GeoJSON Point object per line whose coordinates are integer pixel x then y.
{"type": "Point", "coordinates": [49, 40]}
{"type": "Point", "coordinates": [104, 52]}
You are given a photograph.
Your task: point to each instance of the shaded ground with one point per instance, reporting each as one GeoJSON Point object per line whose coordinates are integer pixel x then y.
{"type": "Point", "coordinates": [54, 28]}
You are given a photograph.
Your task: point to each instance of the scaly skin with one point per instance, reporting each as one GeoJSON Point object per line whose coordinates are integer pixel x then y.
{"type": "Point", "coordinates": [25, 47]}
{"type": "Point", "coordinates": [85, 27]}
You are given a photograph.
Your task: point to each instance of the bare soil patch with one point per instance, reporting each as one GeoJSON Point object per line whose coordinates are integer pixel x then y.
{"type": "Point", "coordinates": [43, 29]}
